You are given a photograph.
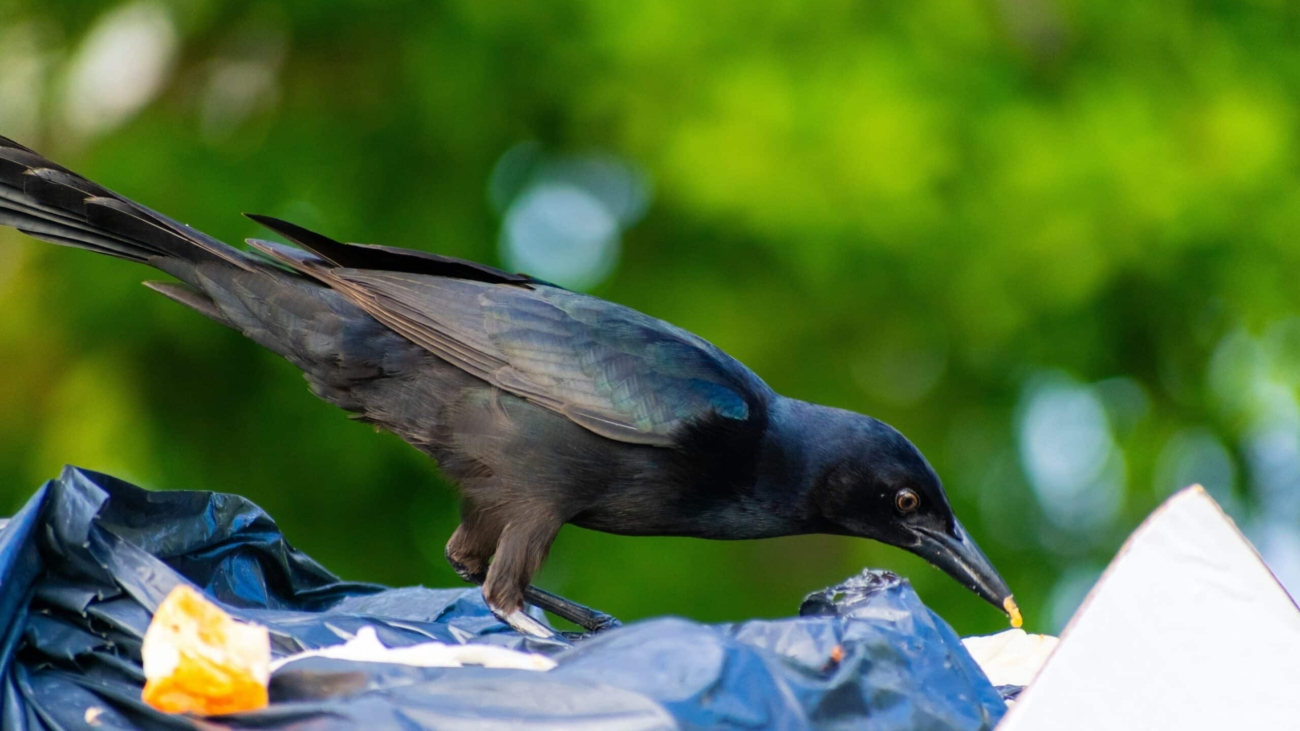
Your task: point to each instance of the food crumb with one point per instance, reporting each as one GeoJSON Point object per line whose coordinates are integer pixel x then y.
{"type": "Point", "coordinates": [1013, 612]}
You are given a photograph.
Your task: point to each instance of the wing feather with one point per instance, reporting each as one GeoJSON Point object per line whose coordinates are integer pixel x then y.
{"type": "Point", "coordinates": [608, 368]}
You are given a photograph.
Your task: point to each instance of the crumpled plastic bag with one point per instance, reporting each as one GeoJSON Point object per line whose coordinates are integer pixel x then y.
{"type": "Point", "coordinates": [84, 564]}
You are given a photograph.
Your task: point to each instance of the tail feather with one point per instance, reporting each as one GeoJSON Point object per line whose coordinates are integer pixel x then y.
{"type": "Point", "coordinates": [89, 242]}
{"type": "Point", "coordinates": [54, 204]}
{"type": "Point", "coordinates": [23, 211]}
{"type": "Point", "coordinates": [191, 298]}
{"type": "Point", "coordinates": [282, 310]}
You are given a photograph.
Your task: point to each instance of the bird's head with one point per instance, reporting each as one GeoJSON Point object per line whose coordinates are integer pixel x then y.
{"type": "Point", "coordinates": [871, 482]}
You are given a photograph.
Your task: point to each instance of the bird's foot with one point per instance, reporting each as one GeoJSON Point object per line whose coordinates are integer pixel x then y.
{"type": "Point", "coordinates": [599, 622]}
{"type": "Point", "coordinates": [590, 620]}
{"type": "Point", "coordinates": [585, 617]}
{"type": "Point", "coordinates": [463, 570]}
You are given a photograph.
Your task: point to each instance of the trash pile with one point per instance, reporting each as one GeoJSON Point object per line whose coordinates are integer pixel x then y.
{"type": "Point", "coordinates": [119, 604]}
{"type": "Point", "coordinates": [87, 563]}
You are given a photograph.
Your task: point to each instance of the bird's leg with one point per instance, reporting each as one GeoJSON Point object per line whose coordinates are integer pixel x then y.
{"type": "Point", "coordinates": [473, 544]}
{"type": "Point", "coordinates": [525, 541]}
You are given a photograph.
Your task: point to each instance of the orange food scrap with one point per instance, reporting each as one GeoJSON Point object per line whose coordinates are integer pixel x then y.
{"type": "Point", "coordinates": [837, 654]}
{"type": "Point", "coordinates": [1013, 612]}
{"type": "Point", "coordinates": [197, 659]}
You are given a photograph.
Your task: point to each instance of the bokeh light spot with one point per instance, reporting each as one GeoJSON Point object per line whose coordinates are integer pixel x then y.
{"type": "Point", "coordinates": [564, 215]}
{"type": "Point", "coordinates": [121, 65]}
{"type": "Point", "coordinates": [1069, 454]}
{"type": "Point", "coordinates": [1197, 457]}
{"type": "Point", "coordinates": [562, 234]}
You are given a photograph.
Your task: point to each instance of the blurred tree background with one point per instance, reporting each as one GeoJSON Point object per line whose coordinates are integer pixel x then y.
{"type": "Point", "coordinates": [1055, 242]}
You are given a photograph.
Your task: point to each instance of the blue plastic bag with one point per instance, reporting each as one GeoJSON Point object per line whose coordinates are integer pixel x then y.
{"type": "Point", "coordinates": [89, 558]}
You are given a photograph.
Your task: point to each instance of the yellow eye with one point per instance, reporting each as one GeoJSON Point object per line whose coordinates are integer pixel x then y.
{"type": "Point", "coordinates": [906, 500]}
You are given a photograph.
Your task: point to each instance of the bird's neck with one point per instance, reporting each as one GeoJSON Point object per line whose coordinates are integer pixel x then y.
{"type": "Point", "coordinates": [802, 442]}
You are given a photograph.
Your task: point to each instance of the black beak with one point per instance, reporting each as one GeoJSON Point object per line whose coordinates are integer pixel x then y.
{"type": "Point", "coordinates": [958, 556]}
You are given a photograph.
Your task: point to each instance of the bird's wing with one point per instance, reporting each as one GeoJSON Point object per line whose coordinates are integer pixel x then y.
{"type": "Point", "coordinates": [610, 369]}
{"type": "Point", "coordinates": [389, 258]}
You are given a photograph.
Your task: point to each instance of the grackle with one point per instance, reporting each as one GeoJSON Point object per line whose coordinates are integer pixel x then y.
{"type": "Point", "coordinates": [545, 406]}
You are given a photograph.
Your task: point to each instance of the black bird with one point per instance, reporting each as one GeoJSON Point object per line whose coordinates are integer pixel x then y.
{"type": "Point", "coordinates": [546, 406]}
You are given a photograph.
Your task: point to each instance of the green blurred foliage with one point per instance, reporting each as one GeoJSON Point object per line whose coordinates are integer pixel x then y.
{"type": "Point", "coordinates": [913, 210]}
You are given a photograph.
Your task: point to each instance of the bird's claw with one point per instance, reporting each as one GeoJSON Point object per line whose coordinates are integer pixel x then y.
{"type": "Point", "coordinates": [463, 571]}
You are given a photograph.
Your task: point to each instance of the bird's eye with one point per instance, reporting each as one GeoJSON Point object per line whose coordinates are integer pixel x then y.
{"type": "Point", "coordinates": [906, 500]}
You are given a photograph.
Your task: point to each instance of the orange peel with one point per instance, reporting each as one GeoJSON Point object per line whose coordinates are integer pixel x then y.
{"type": "Point", "coordinates": [198, 659]}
